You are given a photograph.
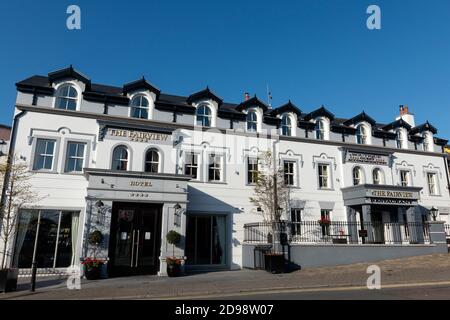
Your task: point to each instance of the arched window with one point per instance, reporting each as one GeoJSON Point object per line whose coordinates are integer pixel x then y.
{"type": "Point", "coordinates": [320, 130]}
{"type": "Point", "coordinates": [361, 134]}
{"type": "Point", "coordinates": [286, 125]}
{"type": "Point", "coordinates": [120, 158]}
{"type": "Point", "coordinates": [139, 107]}
{"type": "Point", "coordinates": [152, 161]}
{"type": "Point", "coordinates": [377, 176]}
{"type": "Point", "coordinates": [357, 176]}
{"type": "Point", "coordinates": [203, 116]}
{"type": "Point", "coordinates": [401, 141]}
{"type": "Point", "coordinates": [252, 121]}
{"type": "Point", "coordinates": [66, 97]}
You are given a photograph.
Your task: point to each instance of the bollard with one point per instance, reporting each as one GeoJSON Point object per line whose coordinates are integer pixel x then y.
{"type": "Point", "coordinates": [33, 276]}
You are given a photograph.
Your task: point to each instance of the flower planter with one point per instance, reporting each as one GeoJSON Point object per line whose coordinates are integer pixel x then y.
{"type": "Point", "coordinates": [339, 241]}
{"type": "Point", "coordinates": [274, 263]}
{"type": "Point", "coordinates": [173, 270]}
{"type": "Point", "coordinates": [92, 273]}
{"type": "Point", "coordinates": [8, 280]}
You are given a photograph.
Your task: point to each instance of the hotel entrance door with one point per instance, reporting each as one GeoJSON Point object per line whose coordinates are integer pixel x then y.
{"type": "Point", "coordinates": [135, 239]}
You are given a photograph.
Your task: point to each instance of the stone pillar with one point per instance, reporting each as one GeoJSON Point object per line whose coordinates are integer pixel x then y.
{"type": "Point", "coordinates": [352, 225]}
{"type": "Point", "coordinates": [437, 234]}
{"type": "Point", "coordinates": [367, 222]}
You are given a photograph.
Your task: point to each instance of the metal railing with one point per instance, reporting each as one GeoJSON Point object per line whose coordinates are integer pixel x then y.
{"type": "Point", "coordinates": [340, 232]}
{"type": "Point", "coordinates": [447, 232]}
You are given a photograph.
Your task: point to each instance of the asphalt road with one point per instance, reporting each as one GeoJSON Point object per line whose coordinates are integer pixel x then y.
{"type": "Point", "coordinates": [435, 292]}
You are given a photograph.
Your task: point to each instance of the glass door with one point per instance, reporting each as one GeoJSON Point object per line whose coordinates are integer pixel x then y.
{"type": "Point", "coordinates": [135, 239]}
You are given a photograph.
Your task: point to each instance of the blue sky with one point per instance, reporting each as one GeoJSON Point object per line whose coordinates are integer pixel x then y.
{"type": "Point", "coordinates": [313, 52]}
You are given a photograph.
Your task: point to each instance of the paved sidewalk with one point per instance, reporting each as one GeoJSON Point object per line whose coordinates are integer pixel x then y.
{"type": "Point", "coordinates": [424, 269]}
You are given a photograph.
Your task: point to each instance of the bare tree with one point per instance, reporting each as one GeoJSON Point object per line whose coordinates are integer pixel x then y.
{"type": "Point", "coordinates": [270, 191]}
{"type": "Point", "coordinates": [18, 193]}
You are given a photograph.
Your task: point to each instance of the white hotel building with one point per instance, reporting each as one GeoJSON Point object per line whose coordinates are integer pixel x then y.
{"type": "Point", "coordinates": [134, 163]}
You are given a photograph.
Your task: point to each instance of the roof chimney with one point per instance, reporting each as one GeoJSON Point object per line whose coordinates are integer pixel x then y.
{"type": "Point", "coordinates": [246, 96]}
{"type": "Point", "coordinates": [406, 115]}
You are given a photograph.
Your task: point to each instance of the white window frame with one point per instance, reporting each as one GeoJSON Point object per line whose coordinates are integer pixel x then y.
{"type": "Point", "coordinates": [83, 158]}
{"type": "Point", "coordinates": [249, 123]}
{"type": "Point", "coordinates": [220, 168]}
{"type": "Point", "coordinates": [58, 96]}
{"type": "Point", "coordinates": [292, 174]}
{"type": "Point", "coordinates": [128, 157]}
{"type": "Point", "coordinates": [204, 116]}
{"type": "Point", "coordinates": [140, 107]}
{"type": "Point", "coordinates": [380, 176]}
{"type": "Point", "coordinates": [362, 135]}
{"type": "Point", "coordinates": [54, 156]}
{"type": "Point", "coordinates": [159, 162]}
{"type": "Point", "coordinates": [357, 175]}
{"type": "Point", "coordinates": [320, 129]}
{"type": "Point", "coordinates": [408, 177]}
{"type": "Point", "coordinates": [288, 125]}
{"type": "Point", "coordinates": [185, 164]}
{"type": "Point", "coordinates": [432, 182]}
{"type": "Point", "coordinates": [250, 173]}
{"type": "Point", "coordinates": [320, 177]}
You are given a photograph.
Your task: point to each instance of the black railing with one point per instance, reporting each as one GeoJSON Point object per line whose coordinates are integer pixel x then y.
{"type": "Point", "coordinates": [340, 232]}
{"type": "Point", "coordinates": [447, 232]}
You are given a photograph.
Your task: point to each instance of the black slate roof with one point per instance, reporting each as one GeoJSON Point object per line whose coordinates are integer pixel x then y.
{"type": "Point", "coordinates": [101, 92]}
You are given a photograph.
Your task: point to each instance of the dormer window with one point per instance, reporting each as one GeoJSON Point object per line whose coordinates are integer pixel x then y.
{"type": "Point", "coordinates": [362, 134]}
{"type": "Point", "coordinates": [252, 121]}
{"type": "Point", "coordinates": [66, 97]}
{"type": "Point", "coordinates": [320, 130]}
{"type": "Point", "coordinates": [203, 117]}
{"type": "Point", "coordinates": [401, 141]}
{"type": "Point", "coordinates": [139, 107]}
{"type": "Point", "coordinates": [427, 142]}
{"type": "Point", "coordinates": [286, 125]}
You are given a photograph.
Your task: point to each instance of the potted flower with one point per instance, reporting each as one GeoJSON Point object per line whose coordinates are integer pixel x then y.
{"type": "Point", "coordinates": [92, 268]}
{"type": "Point", "coordinates": [92, 265]}
{"type": "Point", "coordinates": [173, 263]}
{"type": "Point", "coordinates": [324, 222]}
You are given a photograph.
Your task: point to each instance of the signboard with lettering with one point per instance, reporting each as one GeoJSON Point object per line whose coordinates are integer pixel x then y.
{"type": "Point", "coordinates": [138, 136]}
{"type": "Point", "coordinates": [370, 158]}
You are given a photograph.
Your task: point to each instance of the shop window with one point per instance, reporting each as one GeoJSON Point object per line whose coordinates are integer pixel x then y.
{"type": "Point", "coordinates": [206, 240]}
{"type": "Point", "coordinates": [55, 234]}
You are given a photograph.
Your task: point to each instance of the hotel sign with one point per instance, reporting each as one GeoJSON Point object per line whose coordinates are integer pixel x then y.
{"type": "Point", "coordinates": [371, 158]}
{"type": "Point", "coordinates": [381, 195]}
{"type": "Point", "coordinates": [138, 136]}
{"type": "Point", "coordinates": [392, 197]}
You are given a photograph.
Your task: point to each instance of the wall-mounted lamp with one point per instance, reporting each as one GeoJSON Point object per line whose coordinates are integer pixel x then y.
{"type": "Point", "coordinates": [434, 213]}
{"type": "Point", "coordinates": [99, 204]}
{"type": "Point", "coordinates": [177, 215]}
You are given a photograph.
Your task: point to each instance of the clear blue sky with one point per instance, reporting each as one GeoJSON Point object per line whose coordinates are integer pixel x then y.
{"type": "Point", "coordinates": [313, 52]}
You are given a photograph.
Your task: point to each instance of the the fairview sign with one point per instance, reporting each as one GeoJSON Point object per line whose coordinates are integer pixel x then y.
{"type": "Point", "coordinates": [138, 136]}
{"type": "Point", "coordinates": [362, 157]}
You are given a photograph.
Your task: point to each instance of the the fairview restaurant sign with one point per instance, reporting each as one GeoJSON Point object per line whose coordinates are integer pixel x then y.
{"type": "Point", "coordinates": [138, 136]}
{"type": "Point", "coordinates": [370, 158]}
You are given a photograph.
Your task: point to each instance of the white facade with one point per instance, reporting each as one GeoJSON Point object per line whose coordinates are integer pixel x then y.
{"type": "Point", "coordinates": [227, 139]}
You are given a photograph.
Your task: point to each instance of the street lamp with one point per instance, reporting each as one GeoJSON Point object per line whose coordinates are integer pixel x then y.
{"type": "Point", "coordinates": [434, 213]}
